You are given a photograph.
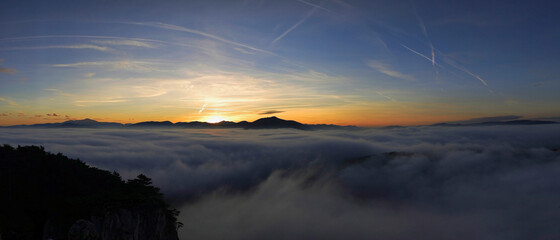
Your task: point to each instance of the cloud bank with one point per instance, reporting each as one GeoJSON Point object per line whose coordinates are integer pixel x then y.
{"type": "Point", "coordinates": [402, 183]}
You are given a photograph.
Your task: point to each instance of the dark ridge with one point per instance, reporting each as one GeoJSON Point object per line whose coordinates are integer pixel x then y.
{"type": "Point", "coordinates": [496, 123]}
{"type": "Point", "coordinates": [45, 194]}
{"type": "Point", "coordinates": [274, 122]}
{"type": "Point", "coordinates": [153, 124]}
{"type": "Point", "coordinates": [195, 124]}
{"type": "Point", "coordinates": [517, 122]}
{"type": "Point", "coordinates": [330, 127]}
{"type": "Point", "coordinates": [446, 125]}
{"type": "Point", "coordinates": [393, 127]}
{"type": "Point", "coordinates": [263, 123]}
{"type": "Point", "coordinates": [89, 123]}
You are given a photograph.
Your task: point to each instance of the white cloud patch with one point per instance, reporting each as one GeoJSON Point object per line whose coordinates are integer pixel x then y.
{"type": "Point", "coordinates": [402, 183]}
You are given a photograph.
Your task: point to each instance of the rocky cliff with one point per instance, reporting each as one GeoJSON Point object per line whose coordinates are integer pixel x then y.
{"type": "Point", "coordinates": [125, 224]}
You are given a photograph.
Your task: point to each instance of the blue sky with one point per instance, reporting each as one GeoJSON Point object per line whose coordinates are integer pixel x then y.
{"type": "Point", "coordinates": [336, 61]}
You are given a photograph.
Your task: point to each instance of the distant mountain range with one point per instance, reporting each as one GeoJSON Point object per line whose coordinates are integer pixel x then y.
{"type": "Point", "coordinates": [263, 123]}
{"type": "Point", "coordinates": [497, 123]}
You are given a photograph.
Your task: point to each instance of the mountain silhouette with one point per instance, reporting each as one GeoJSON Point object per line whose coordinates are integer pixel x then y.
{"type": "Point", "coordinates": [496, 123]}
{"type": "Point", "coordinates": [89, 123]}
{"type": "Point", "coordinates": [152, 124]}
{"type": "Point", "coordinates": [274, 122]}
{"type": "Point", "coordinates": [262, 123]}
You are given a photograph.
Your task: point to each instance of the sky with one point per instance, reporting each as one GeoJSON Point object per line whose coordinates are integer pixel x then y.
{"type": "Point", "coordinates": [365, 63]}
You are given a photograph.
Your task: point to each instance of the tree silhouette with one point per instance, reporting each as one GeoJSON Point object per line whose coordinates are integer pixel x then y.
{"type": "Point", "coordinates": [40, 189]}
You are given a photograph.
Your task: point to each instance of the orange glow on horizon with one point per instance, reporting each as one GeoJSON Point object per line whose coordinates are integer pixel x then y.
{"type": "Point", "coordinates": [362, 116]}
{"type": "Point", "coordinates": [215, 119]}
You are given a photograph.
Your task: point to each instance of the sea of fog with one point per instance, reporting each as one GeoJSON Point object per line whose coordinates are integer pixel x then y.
{"type": "Point", "coordinates": [500, 182]}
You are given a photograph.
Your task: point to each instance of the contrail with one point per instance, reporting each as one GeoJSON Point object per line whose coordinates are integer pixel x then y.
{"type": "Point", "coordinates": [433, 55]}
{"type": "Point", "coordinates": [425, 32]}
{"type": "Point", "coordinates": [419, 54]}
{"type": "Point", "coordinates": [202, 108]}
{"type": "Point", "coordinates": [465, 70]}
{"type": "Point", "coordinates": [314, 5]}
{"type": "Point", "coordinates": [297, 24]}
{"type": "Point", "coordinates": [448, 61]}
{"type": "Point", "coordinates": [474, 75]}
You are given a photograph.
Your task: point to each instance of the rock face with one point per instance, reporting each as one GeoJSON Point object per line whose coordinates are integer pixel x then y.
{"type": "Point", "coordinates": [125, 224]}
{"type": "Point", "coordinates": [139, 224]}
{"type": "Point", "coordinates": [83, 230]}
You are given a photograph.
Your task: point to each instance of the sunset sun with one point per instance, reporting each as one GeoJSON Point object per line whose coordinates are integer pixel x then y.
{"type": "Point", "coordinates": [215, 119]}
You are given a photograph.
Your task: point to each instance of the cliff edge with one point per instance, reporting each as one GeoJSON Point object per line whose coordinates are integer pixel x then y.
{"type": "Point", "coordinates": [49, 196]}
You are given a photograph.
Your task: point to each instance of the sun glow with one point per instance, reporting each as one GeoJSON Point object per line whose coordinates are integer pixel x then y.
{"type": "Point", "coordinates": [215, 119]}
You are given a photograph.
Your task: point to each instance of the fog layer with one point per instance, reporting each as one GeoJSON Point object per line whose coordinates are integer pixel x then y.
{"type": "Point", "coordinates": [404, 183]}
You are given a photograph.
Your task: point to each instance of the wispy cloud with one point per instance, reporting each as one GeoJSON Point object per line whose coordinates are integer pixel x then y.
{"type": "Point", "coordinates": [388, 70]}
{"type": "Point", "coordinates": [79, 46]}
{"type": "Point", "coordinates": [8, 101]}
{"type": "Point", "coordinates": [296, 25]}
{"type": "Point", "coordinates": [101, 101]}
{"type": "Point", "coordinates": [59, 92]}
{"type": "Point", "coordinates": [122, 65]}
{"type": "Point", "coordinates": [85, 103]}
{"type": "Point", "coordinates": [197, 32]}
{"type": "Point", "coordinates": [110, 40]}
{"type": "Point", "coordinates": [125, 42]}
{"type": "Point", "coordinates": [82, 64]}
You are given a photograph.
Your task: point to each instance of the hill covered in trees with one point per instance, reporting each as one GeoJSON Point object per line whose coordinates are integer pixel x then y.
{"type": "Point", "coordinates": [45, 195]}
